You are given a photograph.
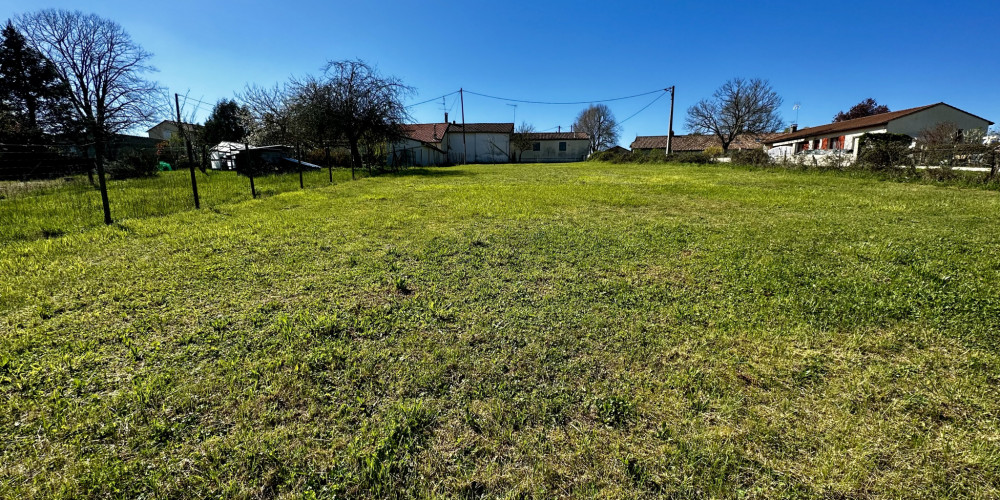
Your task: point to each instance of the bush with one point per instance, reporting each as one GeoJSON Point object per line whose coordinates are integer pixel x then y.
{"type": "Point", "coordinates": [695, 158]}
{"type": "Point", "coordinates": [714, 151]}
{"type": "Point", "coordinates": [884, 150]}
{"type": "Point", "coordinates": [132, 165]}
{"type": "Point", "coordinates": [754, 157]}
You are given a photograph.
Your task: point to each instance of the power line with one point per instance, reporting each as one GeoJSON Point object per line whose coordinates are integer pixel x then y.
{"type": "Point", "coordinates": [431, 100]}
{"type": "Point", "coordinates": [565, 103]}
{"type": "Point", "coordinates": [643, 108]}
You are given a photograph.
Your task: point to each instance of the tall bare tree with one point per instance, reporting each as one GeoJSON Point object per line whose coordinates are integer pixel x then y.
{"type": "Point", "coordinates": [104, 70]}
{"type": "Point", "coordinates": [270, 114]}
{"type": "Point", "coordinates": [366, 106]}
{"type": "Point", "coordinates": [599, 123]}
{"type": "Point", "coordinates": [521, 141]}
{"type": "Point", "coordinates": [738, 107]}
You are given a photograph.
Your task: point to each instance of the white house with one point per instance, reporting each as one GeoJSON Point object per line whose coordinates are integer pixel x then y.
{"type": "Point", "coordinates": [166, 129]}
{"type": "Point", "coordinates": [555, 147]}
{"type": "Point", "coordinates": [478, 142]}
{"type": "Point", "coordinates": [451, 143]}
{"type": "Point", "coordinates": [841, 138]}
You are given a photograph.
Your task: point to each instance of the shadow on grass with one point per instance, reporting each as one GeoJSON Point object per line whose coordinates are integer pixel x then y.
{"type": "Point", "coordinates": [431, 172]}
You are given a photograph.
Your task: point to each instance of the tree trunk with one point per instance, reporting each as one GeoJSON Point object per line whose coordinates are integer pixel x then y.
{"type": "Point", "coordinates": [355, 157]}
{"type": "Point", "coordinates": [99, 162]}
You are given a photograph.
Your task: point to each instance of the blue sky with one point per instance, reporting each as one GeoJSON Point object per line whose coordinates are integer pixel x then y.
{"type": "Point", "coordinates": [825, 57]}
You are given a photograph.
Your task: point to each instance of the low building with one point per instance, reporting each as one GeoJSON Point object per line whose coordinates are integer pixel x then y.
{"type": "Point", "coordinates": [555, 147]}
{"type": "Point", "coordinates": [841, 138]}
{"type": "Point", "coordinates": [694, 143]}
{"type": "Point", "coordinates": [452, 143]}
{"type": "Point", "coordinates": [422, 145]}
{"type": "Point", "coordinates": [478, 142]}
{"type": "Point", "coordinates": [166, 129]}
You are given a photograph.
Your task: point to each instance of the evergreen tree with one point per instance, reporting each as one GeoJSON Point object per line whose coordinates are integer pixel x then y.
{"type": "Point", "coordinates": [34, 102]}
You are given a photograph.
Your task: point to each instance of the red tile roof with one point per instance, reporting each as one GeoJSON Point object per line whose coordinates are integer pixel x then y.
{"type": "Point", "coordinates": [848, 125]}
{"type": "Point", "coordinates": [693, 142]}
{"type": "Point", "coordinates": [495, 128]}
{"type": "Point", "coordinates": [558, 136]}
{"type": "Point", "coordinates": [426, 132]}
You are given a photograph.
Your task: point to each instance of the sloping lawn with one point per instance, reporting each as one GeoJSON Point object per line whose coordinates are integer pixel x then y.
{"type": "Point", "coordinates": [517, 331]}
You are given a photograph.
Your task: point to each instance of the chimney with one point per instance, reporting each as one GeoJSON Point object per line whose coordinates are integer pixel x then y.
{"type": "Point", "coordinates": [560, 128]}
{"type": "Point", "coordinates": [795, 126]}
{"type": "Point", "coordinates": [446, 117]}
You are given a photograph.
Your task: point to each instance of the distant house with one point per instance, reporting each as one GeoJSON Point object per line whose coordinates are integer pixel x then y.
{"type": "Point", "coordinates": [693, 143]}
{"type": "Point", "coordinates": [618, 150]}
{"type": "Point", "coordinates": [842, 137]}
{"type": "Point", "coordinates": [451, 143]}
{"type": "Point", "coordinates": [166, 129]}
{"type": "Point", "coordinates": [479, 142]}
{"type": "Point", "coordinates": [276, 158]}
{"type": "Point", "coordinates": [556, 147]}
{"type": "Point", "coordinates": [423, 145]}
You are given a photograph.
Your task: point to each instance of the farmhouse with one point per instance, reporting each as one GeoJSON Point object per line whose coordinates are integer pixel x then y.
{"type": "Point", "coordinates": [166, 129]}
{"type": "Point", "coordinates": [555, 147]}
{"type": "Point", "coordinates": [694, 143]}
{"type": "Point", "coordinates": [841, 138]}
{"type": "Point", "coordinates": [451, 143]}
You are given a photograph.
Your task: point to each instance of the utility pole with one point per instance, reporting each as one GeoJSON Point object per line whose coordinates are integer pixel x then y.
{"type": "Point", "coordinates": [465, 148]}
{"type": "Point", "coordinates": [670, 127]}
{"type": "Point", "coordinates": [180, 128]}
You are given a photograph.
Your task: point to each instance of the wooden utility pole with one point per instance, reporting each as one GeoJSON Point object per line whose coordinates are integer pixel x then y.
{"type": "Point", "coordinates": [465, 148]}
{"type": "Point", "coordinates": [246, 165]}
{"type": "Point", "coordinates": [670, 127]}
{"type": "Point", "coordinates": [180, 128]}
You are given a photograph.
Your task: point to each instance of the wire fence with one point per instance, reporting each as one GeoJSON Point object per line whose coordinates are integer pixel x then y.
{"type": "Point", "coordinates": [47, 192]}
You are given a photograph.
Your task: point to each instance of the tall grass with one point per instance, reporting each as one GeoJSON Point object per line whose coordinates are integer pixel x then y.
{"type": "Point", "coordinates": [32, 210]}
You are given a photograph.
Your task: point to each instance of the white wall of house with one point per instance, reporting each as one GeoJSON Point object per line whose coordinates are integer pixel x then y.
{"type": "Point", "coordinates": [548, 151]}
{"type": "Point", "coordinates": [416, 153]}
{"type": "Point", "coordinates": [482, 147]}
{"type": "Point", "coordinates": [913, 124]}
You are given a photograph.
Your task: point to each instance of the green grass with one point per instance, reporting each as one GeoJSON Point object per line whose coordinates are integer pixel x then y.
{"type": "Point", "coordinates": [517, 331]}
{"type": "Point", "coordinates": [51, 208]}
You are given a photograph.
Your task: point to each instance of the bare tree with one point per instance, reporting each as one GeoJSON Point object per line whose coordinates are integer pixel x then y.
{"type": "Point", "coordinates": [599, 123]}
{"type": "Point", "coordinates": [270, 114]}
{"type": "Point", "coordinates": [738, 107]}
{"type": "Point", "coordinates": [366, 106]}
{"type": "Point", "coordinates": [521, 140]}
{"type": "Point", "coordinates": [103, 68]}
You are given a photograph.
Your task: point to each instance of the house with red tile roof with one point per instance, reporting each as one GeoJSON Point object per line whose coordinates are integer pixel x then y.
{"type": "Point", "coordinates": [452, 143]}
{"type": "Point", "coordinates": [841, 138]}
{"type": "Point", "coordinates": [694, 143]}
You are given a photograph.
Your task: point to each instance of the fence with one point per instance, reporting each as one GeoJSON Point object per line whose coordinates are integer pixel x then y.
{"type": "Point", "coordinates": [50, 191]}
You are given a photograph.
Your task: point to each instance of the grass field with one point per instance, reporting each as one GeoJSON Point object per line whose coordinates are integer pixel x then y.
{"type": "Point", "coordinates": [518, 331]}
{"type": "Point", "coordinates": [51, 208]}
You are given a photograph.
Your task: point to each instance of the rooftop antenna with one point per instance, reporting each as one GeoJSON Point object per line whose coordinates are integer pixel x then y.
{"type": "Point", "coordinates": [796, 108]}
{"type": "Point", "coordinates": [515, 112]}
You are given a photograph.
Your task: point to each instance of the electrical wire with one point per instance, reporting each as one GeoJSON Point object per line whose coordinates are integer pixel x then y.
{"type": "Point", "coordinates": [430, 100]}
{"type": "Point", "coordinates": [565, 103]}
{"type": "Point", "coordinates": [642, 109]}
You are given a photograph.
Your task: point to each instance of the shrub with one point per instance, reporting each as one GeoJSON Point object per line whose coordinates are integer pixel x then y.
{"type": "Point", "coordinates": [750, 157]}
{"type": "Point", "coordinates": [132, 165]}
{"type": "Point", "coordinates": [882, 151]}
{"type": "Point", "coordinates": [714, 151]}
{"type": "Point", "coordinates": [686, 157]}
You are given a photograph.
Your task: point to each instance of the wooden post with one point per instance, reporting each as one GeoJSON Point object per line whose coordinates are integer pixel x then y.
{"type": "Point", "coordinates": [246, 164]}
{"type": "Point", "coordinates": [670, 127]}
{"type": "Point", "coordinates": [299, 156]}
{"type": "Point", "coordinates": [465, 148]}
{"type": "Point", "coordinates": [180, 128]}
